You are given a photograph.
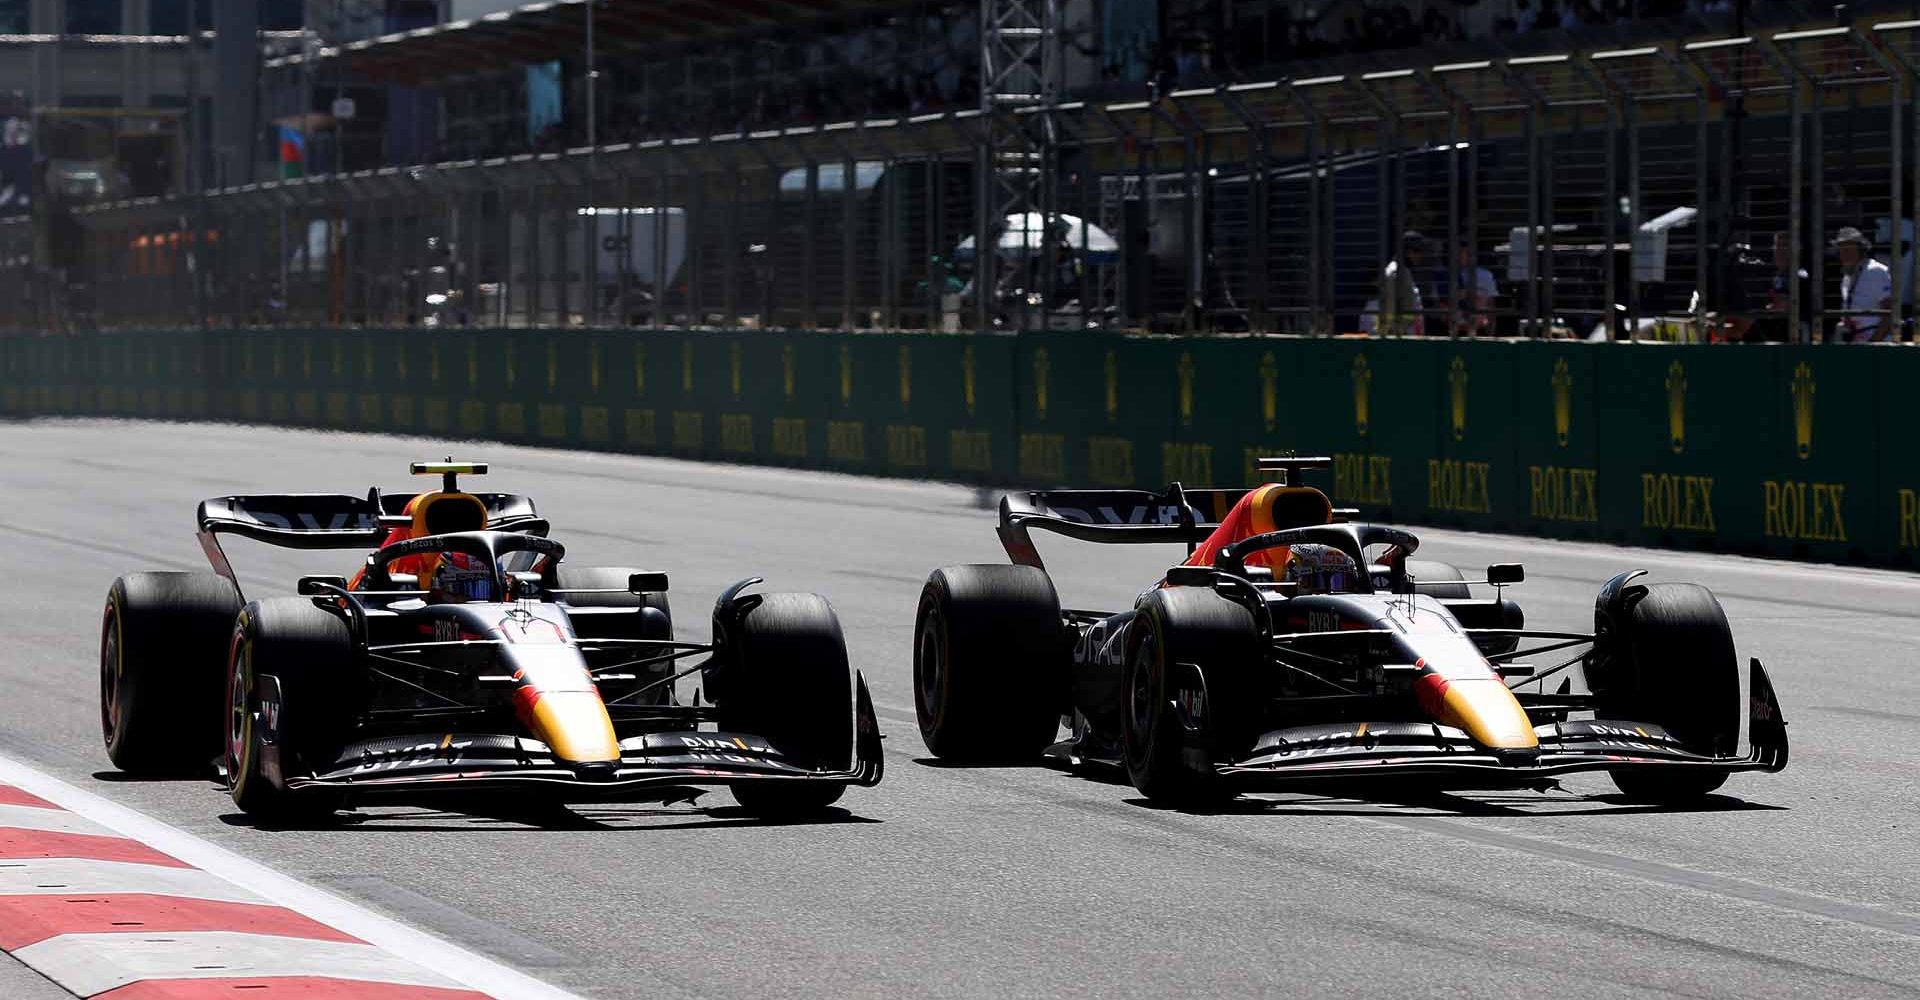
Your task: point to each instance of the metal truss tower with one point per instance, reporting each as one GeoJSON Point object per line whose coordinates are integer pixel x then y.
{"type": "Point", "coordinates": [1020, 73]}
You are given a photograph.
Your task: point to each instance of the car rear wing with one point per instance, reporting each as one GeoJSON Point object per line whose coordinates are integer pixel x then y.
{"type": "Point", "coordinates": [1177, 514]}
{"type": "Point", "coordinates": [333, 520]}
{"type": "Point", "coordinates": [1111, 516]}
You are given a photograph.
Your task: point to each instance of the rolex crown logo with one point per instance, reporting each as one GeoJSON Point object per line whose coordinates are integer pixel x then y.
{"type": "Point", "coordinates": [1562, 402]}
{"type": "Point", "coordinates": [1269, 390]}
{"type": "Point", "coordinates": [1186, 388]}
{"type": "Point", "coordinates": [1113, 386]}
{"type": "Point", "coordinates": [966, 377]}
{"type": "Point", "coordinates": [1803, 409]}
{"type": "Point", "coordinates": [1677, 406]}
{"type": "Point", "coordinates": [1040, 366]}
{"type": "Point", "coordinates": [1362, 384]}
{"type": "Point", "coordinates": [1457, 396]}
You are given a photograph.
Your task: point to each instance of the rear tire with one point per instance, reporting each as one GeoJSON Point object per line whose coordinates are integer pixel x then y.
{"type": "Point", "coordinates": [163, 637]}
{"type": "Point", "coordinates": [1428, 571]}
{"type": "Point", "coordinates": [1182, 625]}
{"type": "Point", "coordinates": [310, 653]}
{"type": "Point", "coordinates": [1669, 660]}
{"type": "Point", "coordinates": [787, 680]}
{"type": "Point", "coordinates": [989, 663]}
{"type": "Point", "coordinates": [656, 623]}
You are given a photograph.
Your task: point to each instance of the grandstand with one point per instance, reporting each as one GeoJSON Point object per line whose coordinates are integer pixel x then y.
{"type": "Point", "coordinates": [1240, 164]}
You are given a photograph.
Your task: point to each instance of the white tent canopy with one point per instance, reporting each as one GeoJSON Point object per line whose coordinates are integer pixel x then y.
{"type": "Point", "coordinates": [1023, 231]}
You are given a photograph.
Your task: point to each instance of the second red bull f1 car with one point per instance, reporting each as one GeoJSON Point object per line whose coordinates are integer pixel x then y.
{"type": "Point", "coordinates": [1293, 648]}
{"type": "Point", "coordinates": [467, 655]}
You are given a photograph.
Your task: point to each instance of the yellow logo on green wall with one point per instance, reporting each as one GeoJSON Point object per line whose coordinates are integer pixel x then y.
{"type": "Point", "coordinates": [1803, 409]}
{"type": "Point", "coordinates": [1269, 390]}
{"type": "Point", "coordinates": [1113, 386]}
{"type": "Point", "coordinates": [1040, 382]}
{"type": "Point", "coordinates": [1457, 391]}
{"type": "Point", "coordinates": [966, 377]}
{"type": "Point", "coordinates": [1562, 402]}
{"type": "Point", "coordinates": [1186, 388]}
{"type": "Point", "coordinates": [1677, 406]}
{"type": "Point", "coordinates": [1362, 388]}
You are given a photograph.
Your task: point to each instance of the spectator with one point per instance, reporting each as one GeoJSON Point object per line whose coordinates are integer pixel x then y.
{"type": "Point", "coordinates": [1401, 311]}
{"type": "Point", "coordinates": [1865, 284]}
{"type": "Point", "coordinates": [1475, 290]}
{"type": "Point", "coordinates": [1777, 325]}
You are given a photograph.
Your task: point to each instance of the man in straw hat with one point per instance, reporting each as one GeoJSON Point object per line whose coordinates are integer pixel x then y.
{"type": "Point", "coordinates": [1865, 284]}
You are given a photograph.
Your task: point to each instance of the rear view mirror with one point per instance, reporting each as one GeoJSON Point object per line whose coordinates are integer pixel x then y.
{"type": "Point", "coordinates": [403, 581]}
{"type": "Point", "coordinates": [1191, 576]}
{"type": "Point", "coordinates": [647, 583]}
{"type": "Point", "coordinates": [312, 586]}
{"type": "Point", "coordinates": [1504, 574]}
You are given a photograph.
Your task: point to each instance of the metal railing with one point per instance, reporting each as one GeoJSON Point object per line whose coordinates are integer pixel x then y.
{"type": "Point", "coordinates": [1609, 193]}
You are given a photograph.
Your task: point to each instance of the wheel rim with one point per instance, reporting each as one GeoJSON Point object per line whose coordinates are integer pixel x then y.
{"type": "Point", "coordinates": [1142, 705]}
{"type": "Point", "coordinates": [932, 664]}
{"type": "Point", "coordinates": [110, 673]}
{"type": "Point", "coordinates": [237, 720]}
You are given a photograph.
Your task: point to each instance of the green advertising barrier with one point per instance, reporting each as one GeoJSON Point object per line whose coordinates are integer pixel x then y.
{"type": "Point", "coordinates": [1795, 451]}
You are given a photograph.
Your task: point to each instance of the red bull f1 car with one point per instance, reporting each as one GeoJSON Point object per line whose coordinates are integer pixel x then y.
{"type": "Point", "coordinates": [1294, 648]}
{"type": "Point", "coordinates": [466, 654]}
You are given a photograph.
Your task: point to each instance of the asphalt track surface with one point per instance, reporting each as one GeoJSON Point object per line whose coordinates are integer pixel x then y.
{"type": "Point", "coordinates": [1021, 881]}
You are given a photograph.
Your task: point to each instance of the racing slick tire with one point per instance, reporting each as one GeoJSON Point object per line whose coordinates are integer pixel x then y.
{"type": "Point", "coordinates": [1174, 627]}
{"type": "Point", "coordinates": [787, 680]}
{"type": "Point", "coordinates": [1427, 571]}
{"type": "Point", "coordinates": [163, 637]}
{"type": "Point", "coordinates": [641, 625]}
{"type": "Point", "coordinates": [308, 653]}
{"type": "Point", "coordinates": [1669, 660]}
{"type": "Point", "coordinates": [989, 663]}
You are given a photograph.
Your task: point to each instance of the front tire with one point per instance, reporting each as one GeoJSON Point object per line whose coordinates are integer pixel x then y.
{"type": "Point", "coordinates": [308, 653]}
{"type": "Point", "coordinates": [1668, 658]}
{"type": "Point", "coordinates": [989, 663]}
{"type": "Point", "coordinates": [162, 638]}
{"type": "Point", "coordinates": [787, 680]}
{"type": "Point", "coordinates": [1174, 627]}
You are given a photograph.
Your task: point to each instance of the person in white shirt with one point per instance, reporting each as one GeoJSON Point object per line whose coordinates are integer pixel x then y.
{"type": "Point", "coordinates": [1402, 311]}
{"type": "Point", "coordinates": [1865, 283]}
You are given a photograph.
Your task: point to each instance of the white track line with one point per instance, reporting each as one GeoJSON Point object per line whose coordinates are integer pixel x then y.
{"type": "Point", "coordinates": [452, 961]}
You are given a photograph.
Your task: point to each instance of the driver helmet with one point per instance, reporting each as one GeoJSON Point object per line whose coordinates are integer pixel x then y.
{"type": "Point", "coordinates": [459, 579]}
{"type": "Point", "coordinates": [1322, 569]}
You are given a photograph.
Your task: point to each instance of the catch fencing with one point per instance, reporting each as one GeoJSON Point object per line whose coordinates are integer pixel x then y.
{"type": "Point", "coordinates": [1603, 189]}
